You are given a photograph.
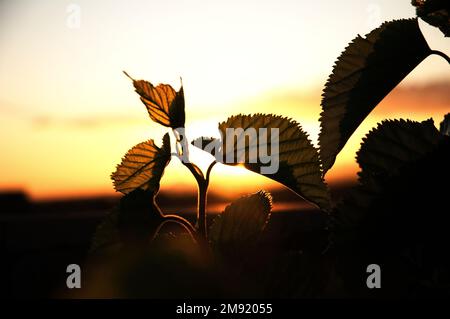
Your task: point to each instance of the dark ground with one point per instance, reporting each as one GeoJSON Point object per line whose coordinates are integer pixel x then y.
{"type": "Point", "coordinates": [39, 239]}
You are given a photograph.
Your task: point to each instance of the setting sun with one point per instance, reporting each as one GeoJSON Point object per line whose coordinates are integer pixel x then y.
{"type": "Point", "coordinates": [68, 113]}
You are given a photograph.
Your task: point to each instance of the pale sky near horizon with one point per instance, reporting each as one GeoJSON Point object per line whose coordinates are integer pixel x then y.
{"type": "Point", "coordinates": [68, 114]}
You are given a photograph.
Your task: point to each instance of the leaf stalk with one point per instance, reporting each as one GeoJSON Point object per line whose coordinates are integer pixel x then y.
{"type": "Point", "coordinates": [441, 54]}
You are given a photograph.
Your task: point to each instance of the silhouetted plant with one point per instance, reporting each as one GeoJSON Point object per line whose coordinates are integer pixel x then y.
{"type": "Point", "coordinates": [377, 222]}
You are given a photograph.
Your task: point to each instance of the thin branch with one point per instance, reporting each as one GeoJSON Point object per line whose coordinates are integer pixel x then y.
{"type": "Point", "coordinates": [202, 183]}
{"type": "Point", "coordinates": [201, 198]}
{"type": "Point", "coordinates": [441, 54]}
{"type": "Point", "coordinates": [183, 223]}
{"type": "Point", "coordinates": [208, 172]}
{"type": "Point", "coordinates": [196, 171]}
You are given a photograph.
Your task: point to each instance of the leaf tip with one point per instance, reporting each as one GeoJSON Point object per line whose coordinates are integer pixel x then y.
{"type": "Point", "coordinates": [125, 72]}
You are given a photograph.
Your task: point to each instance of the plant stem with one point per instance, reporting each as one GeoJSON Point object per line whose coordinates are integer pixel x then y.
{"type": "Point", "coordinates": [441, 54]}
{"type": "Point", "coordinates": [181, 221]}
{"type": "Point", "coordinates": [203, 184]}
{"type": "Point", "coordinates": [208, 172]}
{"type": "Point", "coordinates": [201, 198]}
{"type": "Point", "coordinates": [195, 170]}
{"type": "Point", "coordinates": [201, 210]}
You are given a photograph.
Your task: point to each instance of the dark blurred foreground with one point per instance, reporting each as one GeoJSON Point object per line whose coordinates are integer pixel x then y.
{"type": "Point", "coordinates": [39, 240]}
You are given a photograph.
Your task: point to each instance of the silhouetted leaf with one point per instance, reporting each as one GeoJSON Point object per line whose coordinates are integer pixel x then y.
{"type": "Point", "coordinates": [135, 221]}
{"type": "Point", "coordinates": [139, 217]}
{"type": "Point", "coordinates": [207, 144]}
{"type": "Point", "coordinates": [164, 105]}
{"type": "Point", "coordinates": [142, 167]}
{"type": "Point", "coordinates": [299, 166]}
{"type": "Point", "coordinates": [363, 75]}
{"type": "Point", "coordinates": [107, 233]}
{"type": "Point", "coordinates": [242, 222]}
{"type": "Point", "coordinates": [393, 143]}
{"type": "Point", "coordinates": [400, 220]}
{"type": "Point", "coordinates": [445, 125]}
{"type": "Point", "coordinates": [386, 150]}
{"type": "Point", "coordinates": [435, 12]}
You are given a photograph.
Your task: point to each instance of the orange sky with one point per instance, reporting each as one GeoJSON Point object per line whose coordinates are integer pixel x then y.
{"type": "Point", "coordinates": [68, 114]}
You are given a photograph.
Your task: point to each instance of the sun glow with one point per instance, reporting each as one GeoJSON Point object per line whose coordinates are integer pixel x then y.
{"type": "Point", "coordinates": [68, 114]}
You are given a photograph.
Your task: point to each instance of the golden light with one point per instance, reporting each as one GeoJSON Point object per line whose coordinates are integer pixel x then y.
{"type": "Point", "coordinates": [68, 114]}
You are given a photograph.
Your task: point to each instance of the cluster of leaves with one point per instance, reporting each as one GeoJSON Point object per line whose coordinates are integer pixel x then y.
{"type": "Point", "coordinates": [137, 223]}
{"type": "Point", "coordinates": [397, 214]}
{"type": "Point", "coordinates": [375, 221]}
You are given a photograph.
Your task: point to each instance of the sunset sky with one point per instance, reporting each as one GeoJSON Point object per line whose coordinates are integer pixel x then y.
{"type": "Point", "coordinates": [68, 114]}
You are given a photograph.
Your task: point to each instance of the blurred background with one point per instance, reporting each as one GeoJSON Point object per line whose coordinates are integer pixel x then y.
{"type": "Point", "coordinates": [68, 114]}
